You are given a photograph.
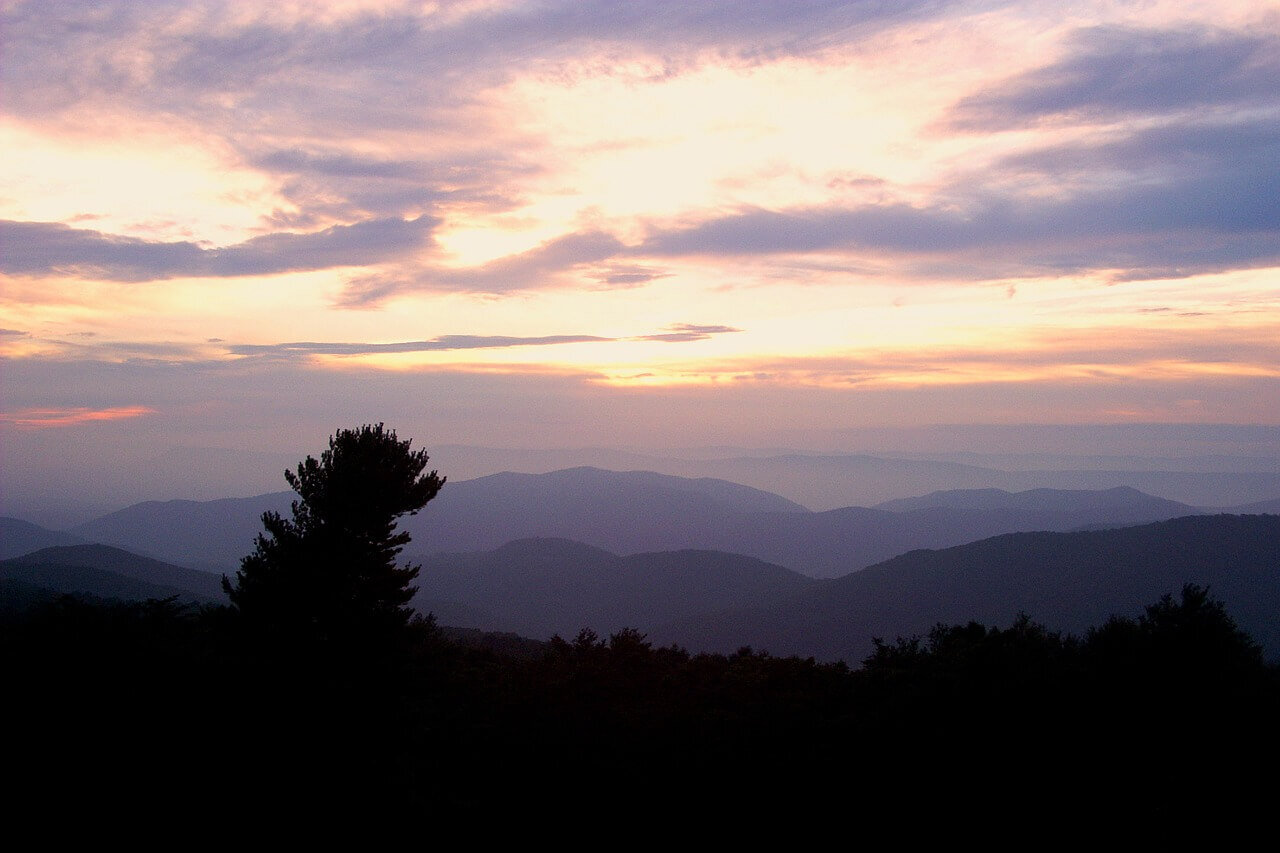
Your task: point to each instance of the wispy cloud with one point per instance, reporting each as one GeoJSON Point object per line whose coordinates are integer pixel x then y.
{"type": "Point", "coordinates": [676, 333]}
{"type": "Point", "coordinates": [441, 344]}
{"type": "Point", "coordinates": [43, 248]}
{"type": "Point", "coordinates": [41, 418]}
{"type": "Point", "coordinates": [1110, 72]}
{"type": "Point", "coordinates": [682, 332]}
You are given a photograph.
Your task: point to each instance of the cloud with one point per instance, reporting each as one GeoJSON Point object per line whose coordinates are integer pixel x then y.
{"type": "Point", "coordinates": [1109, 72]}
{"type": "Point", "coordinates": [1194, 210]}
{"type": "Point", "coordinates": [340, 184]}
{"type": "Point", "coordinates": [1215, 145]}
{"type": "Point", "coordinates": [12, 333]}
{"type": "Point", "coordinates": [174, 50]}
{"type": "Point", "coordinates": [42, 248]}
{"type": "Point", "coordinates": [41, 418]}
{"type": "Point", "coordinates": [538, 267]}
{"type": "Point", "coordinates": [440, 344]}
{"type": "Point", "coordinates": [682, 332]}
{"type": "Point", "coordinates": [621, 276]}
{"type": "Point", "coordinates": [677, 333]}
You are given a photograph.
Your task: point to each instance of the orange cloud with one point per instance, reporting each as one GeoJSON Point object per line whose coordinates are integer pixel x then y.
{"type": "Point", "coordinates": [38, 418]}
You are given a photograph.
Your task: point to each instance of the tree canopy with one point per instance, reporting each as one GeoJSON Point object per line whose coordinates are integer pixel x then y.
{"type": "Point", "coordinates": [331, 569]}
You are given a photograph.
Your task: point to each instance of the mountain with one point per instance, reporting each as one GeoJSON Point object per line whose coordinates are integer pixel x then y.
{"type": "Point", "coordinates": [835, 542]}
{"type": "Point", "coordinates": [1068, 581]}
{"type": "Point", "coordinates": [627, 512]}
{"type": "Point", "coordinates": [1259, 508]}
{"type": "Point", "coordinates": [111, 573]}
{"type": "Point", "coordinates": [829, 481]}
{"type": "Point", "coordinates": [540, 587]}
{"type": "Point", "coordinates": [1121, 498]}
{"type": "Point", "coordinates": [209, 535]}
{"type": "Point", "coordinates": [18, 537]}
{"type": "Point", "coordinates": [622, 510]}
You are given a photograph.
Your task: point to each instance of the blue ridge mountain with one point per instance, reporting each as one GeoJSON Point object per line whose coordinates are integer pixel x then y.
{"type": "Point", "coordinates": [541, 587]}
{"type": "Point", "coordinates": [627, 509]}
{"type": "Point", "coordinates": [1067, 581]}
{"type": "Point", "coordinates": [209, 535]}
{"type": "Point", "coordinates": [102, 570]}
{"type": "Point", "coordinates": [637, 512]}
{"type": "Point", "coordinates": [18, 537]}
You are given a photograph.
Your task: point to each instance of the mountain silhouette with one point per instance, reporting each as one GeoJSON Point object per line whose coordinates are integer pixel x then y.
{"type": "Point", "coordinates": [109, 572]}
{"type": "Point", "coordinates": [18, 537]}
{"type": "Point", "coordinates": [628, 512]}
{"type": "Point", "coordinates": [1068, 581]}
{"type": "Point", "coordinates": [541, 587]}
{"type": "Point", "coordinates": [209, 535]}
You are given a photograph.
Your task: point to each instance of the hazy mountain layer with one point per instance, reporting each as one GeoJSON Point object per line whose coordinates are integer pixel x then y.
{"type": "Point", "coordinates": [637, 512]}
{"type": "Point", "coordinates": [540, 587]}
{"type": "Point", "coordinates": [112, 573]}
{"type": "Point", "coordinates": [211, 535]}
{"type": "Point", "coordinates": [18, 537]}
{"type": "Point", "coordinates": [1068, 581]}
{"type": "Point", "coordinates": [626, 511]}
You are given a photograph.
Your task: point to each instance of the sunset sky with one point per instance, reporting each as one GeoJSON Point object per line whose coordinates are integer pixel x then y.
{"type": "Point", "coordinates": [233, 229]}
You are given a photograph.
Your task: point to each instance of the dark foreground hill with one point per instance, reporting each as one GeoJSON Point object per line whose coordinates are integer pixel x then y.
{"type": "Point", "coordinates": [541, 587]}
{"type": "Point", "coordinates": [1067, 580]}
{"type": "Point", "coordinates": [100, 570]}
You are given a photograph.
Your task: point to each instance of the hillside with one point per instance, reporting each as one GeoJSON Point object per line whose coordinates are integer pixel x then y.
{"type": "Point", "coordinates": [18, 537]}
{"type": "Point", "coordinates": [211, 535]}
{"type": "Point", "coordinates": [111, 573]}
{"type": "Point", "coordinates": [629, 512]}
{"type": "Point", "coordinates": [1068, 581]}
{"type": "Point", "coordinates": [541, 587]}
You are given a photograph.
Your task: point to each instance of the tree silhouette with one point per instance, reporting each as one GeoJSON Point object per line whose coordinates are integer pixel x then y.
{"type": "Point", "coordinates": [330, 571]}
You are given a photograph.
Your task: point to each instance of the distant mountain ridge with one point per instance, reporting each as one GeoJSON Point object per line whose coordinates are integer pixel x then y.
{"type": "Point", "coordinates": [627, 512]}
{"type": "Point", "coordinates": [1067, 580]}
{"type": "Point", "coordinates": [18, 537]}
{"type": "Point", "coordinates": [210, 535]}
{"type": "Point", "coordinates": [540, 587]}
{"type": "Point", "coordinates": [102, 570]}
{"type": "Point", "coordinates": [1123, 498]}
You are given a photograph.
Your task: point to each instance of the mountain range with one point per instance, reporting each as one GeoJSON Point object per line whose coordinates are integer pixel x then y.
{"type": "Point", "coordinates": [540, 587]}
{"type": "Point", "coordinates": [102, 571]}
{"type": "Point", "coordinates": [712, 564]}
{"type": "Point", "coordinates": [637, 512]}
{"type": "Point", "coordinates": [1068, 581]}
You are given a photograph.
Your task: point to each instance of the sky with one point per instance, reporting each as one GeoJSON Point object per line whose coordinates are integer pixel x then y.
{"type": "Point", "coordinates": [229, 230]}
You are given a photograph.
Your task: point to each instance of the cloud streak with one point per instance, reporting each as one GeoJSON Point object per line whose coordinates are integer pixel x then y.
{"type": "Point", "coordinates": [1111, 72]}
{"type": "Point", "coordinates": [45, 248]}
{"type": "Point", "coordinates": [45, 418]}
{"type": "Point", "coordinates": [676, 333]}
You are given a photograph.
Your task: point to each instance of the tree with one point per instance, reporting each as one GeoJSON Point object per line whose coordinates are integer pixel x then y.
{"type": "Point", "coordinates": [330, 571]}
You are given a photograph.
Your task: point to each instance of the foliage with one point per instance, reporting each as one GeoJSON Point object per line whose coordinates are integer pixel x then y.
{"type": "Point", "coordinates": [330, 571]}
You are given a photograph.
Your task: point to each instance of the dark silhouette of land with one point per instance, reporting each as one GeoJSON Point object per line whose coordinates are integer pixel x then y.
{"type": "Point", "coordinates": [316, 693]}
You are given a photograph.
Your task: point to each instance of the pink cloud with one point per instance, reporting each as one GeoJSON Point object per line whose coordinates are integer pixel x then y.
{"type": "Point", "coordinates": [40, 418]}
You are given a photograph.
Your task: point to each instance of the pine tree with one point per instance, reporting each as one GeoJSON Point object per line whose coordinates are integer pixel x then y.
{"type": "Point", "coordinates": [330, 571]}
